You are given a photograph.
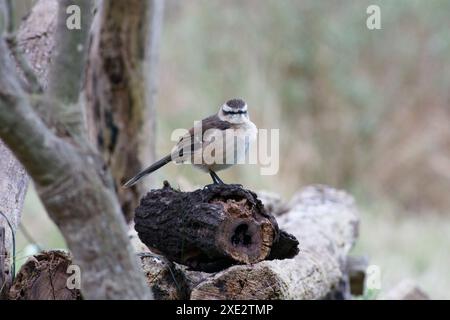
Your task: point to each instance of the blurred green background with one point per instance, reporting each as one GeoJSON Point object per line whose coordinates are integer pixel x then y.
{"type": "Point", "coordinates": [363, 110]}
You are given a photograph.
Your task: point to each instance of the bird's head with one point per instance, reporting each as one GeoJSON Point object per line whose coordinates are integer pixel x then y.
{"type": "Point", "coordinates": [234, 111]}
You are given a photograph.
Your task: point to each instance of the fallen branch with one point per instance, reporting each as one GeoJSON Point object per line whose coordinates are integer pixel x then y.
{"type": "Point", "coordinates": [211, 228]}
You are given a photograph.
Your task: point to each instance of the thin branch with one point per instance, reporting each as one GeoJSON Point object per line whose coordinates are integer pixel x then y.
{"type": "Point", "coordinates": [20, 124]}
{"type": "Point", "coordinates": [67, 70]}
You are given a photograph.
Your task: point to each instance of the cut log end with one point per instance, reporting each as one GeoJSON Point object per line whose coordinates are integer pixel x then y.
{"type": "Point", "coordinates": [44, 277]}
{"type": "Point", "coordinates": [244, 236]}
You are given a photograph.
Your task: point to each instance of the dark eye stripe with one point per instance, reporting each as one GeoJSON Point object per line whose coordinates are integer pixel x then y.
{"type": "Point", "coordinates": [235, 112]}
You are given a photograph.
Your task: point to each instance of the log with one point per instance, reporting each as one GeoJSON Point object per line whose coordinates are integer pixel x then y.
{"type": "Point", "coordinates": [325, 222]}
{"type": "Point", "coordinates": [44, 277]}
{"type": "Point", "coordinates": [120, 82]}
{"type": "Point", "coordinates": [167, 281]}
{"type": "Point", "coordinates": [323, 219]}
{"type": "Point", "coordinates": [211, 228]}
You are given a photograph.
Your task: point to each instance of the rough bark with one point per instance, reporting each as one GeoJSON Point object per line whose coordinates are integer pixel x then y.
{"type": "Point", "coordinates": [120, 87]}
{"type": "Point", "coordinates": [35, 38]}
{"type": "Point", "coordinates": [119, 106]}
{"type": "Point", "coordinates": [13, 187]}
{"type": "Point", "coordinates": [211, 228]}
{"type": "Point", "coordinates": [72, 182]}
{"type": "Point", "coordinates": [356, 272]}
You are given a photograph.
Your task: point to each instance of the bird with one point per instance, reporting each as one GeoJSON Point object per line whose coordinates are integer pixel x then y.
{"type": "Point", "coordinates": [228, 133]}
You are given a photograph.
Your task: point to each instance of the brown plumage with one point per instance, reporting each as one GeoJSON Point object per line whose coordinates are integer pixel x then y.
{"type": "Point", "coordinates": [232, 115]}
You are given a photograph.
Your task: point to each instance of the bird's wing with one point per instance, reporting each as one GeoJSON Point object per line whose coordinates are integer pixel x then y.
{"type": "Point", "coordinates": [193, 141]}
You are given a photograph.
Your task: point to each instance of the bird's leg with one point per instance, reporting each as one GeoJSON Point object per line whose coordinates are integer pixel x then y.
{"type": "Point", "coordinates": [218, 179]}
{"type": "Point", "coordinates": [215, 177]}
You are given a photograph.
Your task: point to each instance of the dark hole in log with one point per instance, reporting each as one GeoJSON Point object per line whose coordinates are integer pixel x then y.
{"type": "Point", "coordinates": [240, 236]}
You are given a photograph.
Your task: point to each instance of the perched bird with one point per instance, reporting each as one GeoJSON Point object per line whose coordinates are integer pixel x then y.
{"type": "Point", "coordinates": [225, 136]}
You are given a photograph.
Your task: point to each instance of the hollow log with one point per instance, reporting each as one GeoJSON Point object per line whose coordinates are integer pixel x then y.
{"type": "Point", "coordinates": [325, 222]}
{"type": "Point", "coordinates": [212, 228]}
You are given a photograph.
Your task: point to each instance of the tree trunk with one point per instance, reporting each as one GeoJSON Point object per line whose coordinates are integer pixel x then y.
{"type": "Point", "coordinates": [35, 38]}
{"type": "Point", "coordinates": [120, 82]}
{"type": "Point", "coordinates": [120, 88]}
{"type": "Point", "coordinates": [13, 187]}
{"type": "Point", "coordinates": [70, 176]}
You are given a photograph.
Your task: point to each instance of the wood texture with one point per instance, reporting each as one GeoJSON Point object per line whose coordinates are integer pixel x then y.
{"type": "Point", "coordinates": [120, 88]}
{"type": "Point", "coordinates": [44, 277]}
{"type": "Point", "coordinates": [325, 222]}
{"type": "Point", "coordinates": [13, 187]}
{"type": "Point", "coordinates": [73, 183]}
{"type": "Point", "coordinates": [211, 228]}
{"type": "Point", "coordinates": [36, 37]}
{"type": "Point", "coordinates": [4, 271]}
{"type": "Point", "coordinates": [119, 113]}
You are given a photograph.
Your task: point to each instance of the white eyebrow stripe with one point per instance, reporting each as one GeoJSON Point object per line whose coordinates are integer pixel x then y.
{"type": "Point", "coordinates": [226, 108]}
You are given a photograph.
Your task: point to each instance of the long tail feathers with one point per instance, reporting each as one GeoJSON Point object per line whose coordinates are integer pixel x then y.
{"type": "Point", "coordinates": [146, 171]}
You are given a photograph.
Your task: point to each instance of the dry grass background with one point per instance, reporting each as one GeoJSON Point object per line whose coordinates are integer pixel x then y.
{"type": "Point", "coordinates": [366, 111]}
